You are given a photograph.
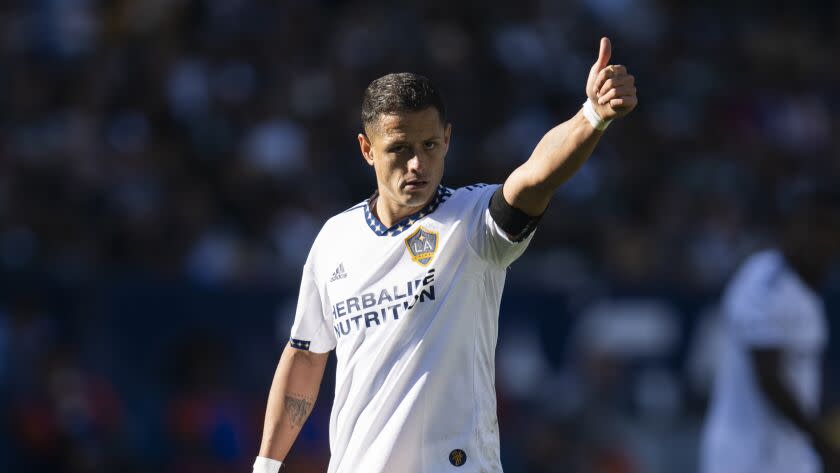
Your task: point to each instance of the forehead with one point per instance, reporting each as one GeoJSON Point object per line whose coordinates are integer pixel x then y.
{"type": "Point", "coordinates": [406, 125]}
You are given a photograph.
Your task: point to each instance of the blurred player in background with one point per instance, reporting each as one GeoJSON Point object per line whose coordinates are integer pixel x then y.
{"type": "Point", "coordinates": [406, 286]}
{"type": "Point", "coordinates": [763, 413]}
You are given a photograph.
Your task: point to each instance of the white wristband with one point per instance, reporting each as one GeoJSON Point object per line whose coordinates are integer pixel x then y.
{"type": "Point", "coordinates": [594, 119]}
{"type": "Point", "coordinates": [267, 465]}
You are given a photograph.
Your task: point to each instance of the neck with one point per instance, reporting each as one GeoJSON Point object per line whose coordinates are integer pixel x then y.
{"type": "Point", "coordinates": [389, 212]}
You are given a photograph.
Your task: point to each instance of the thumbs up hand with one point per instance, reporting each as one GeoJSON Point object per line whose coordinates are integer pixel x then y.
{"type": "Point", "coordinates": [611, 88]}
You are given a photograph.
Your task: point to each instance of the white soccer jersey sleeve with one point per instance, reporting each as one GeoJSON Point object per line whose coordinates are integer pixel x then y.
{"type": "Point", "coordinates": [486, 237]}
{"type": "Point", "coordinates": [311, 329]}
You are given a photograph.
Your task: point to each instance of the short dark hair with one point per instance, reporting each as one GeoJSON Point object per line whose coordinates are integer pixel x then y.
{"type": "Point", "coordinates": [400, 92]}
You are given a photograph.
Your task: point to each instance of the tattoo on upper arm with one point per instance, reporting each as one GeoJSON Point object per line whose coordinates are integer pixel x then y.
{"type": "Point", "coordinates": [298, 409]}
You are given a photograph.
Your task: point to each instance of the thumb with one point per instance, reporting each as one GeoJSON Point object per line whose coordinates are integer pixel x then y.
{"type": "Point", "coordinates": [603, 55]}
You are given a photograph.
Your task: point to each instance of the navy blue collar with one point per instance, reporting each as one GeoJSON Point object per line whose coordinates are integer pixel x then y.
{"type": "Point", "coordinates": [440, 197]}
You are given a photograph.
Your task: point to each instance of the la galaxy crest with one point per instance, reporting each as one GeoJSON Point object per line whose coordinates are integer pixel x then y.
{"type": "Point", "coordinates": [422, 245]}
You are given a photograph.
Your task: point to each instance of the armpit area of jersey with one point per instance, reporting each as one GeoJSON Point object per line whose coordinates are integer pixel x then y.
{"type": "Point", "coordinates": [515, 222]}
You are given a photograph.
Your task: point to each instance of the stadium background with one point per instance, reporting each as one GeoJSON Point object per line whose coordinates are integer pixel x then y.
{"type": "Point", "coordinates": [165, 164]}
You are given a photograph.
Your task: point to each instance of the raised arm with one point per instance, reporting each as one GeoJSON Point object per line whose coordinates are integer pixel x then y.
{"type": "Point", "coordinates": [562, 151]}
{"type": "Point", "coordinates": [290, 401]}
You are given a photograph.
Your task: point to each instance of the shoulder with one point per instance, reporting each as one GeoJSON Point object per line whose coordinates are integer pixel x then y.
{"type": "Point", "coordinates": [467, 203]}
{"type": "Point", "coordinates": [762, 271]}
{"type": "Point", "coordinates": [754, 286]}
{"type": "Point", "coordinates": [473, 193]}
{"type": "Point", "coordinates": [341, 226]}
{"type": "Point", "coordinates": [475, 189]}
{"type": "Point", "coordinates": [346, 217]}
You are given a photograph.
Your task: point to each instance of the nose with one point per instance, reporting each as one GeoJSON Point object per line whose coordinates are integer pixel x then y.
{"type": "Point", "coordinates": [415, 164]}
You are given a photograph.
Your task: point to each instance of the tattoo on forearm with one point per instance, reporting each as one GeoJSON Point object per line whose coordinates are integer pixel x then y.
{"type": "Point", "coordinates": [297, 409]}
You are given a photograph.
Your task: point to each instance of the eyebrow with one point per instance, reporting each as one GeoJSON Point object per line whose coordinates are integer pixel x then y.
{"type": "Point", "coordinates": [396, 143]}
{"type": "Point", "coordinates": [403, 140]}
{"type": "Point", "coordinates": [400, 139]}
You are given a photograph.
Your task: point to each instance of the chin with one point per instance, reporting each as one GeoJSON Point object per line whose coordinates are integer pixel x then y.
{"type": "Point", "coordinates": [414, 199]}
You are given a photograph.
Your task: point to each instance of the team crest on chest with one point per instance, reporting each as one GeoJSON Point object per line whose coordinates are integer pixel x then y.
{"type": "Point", "coordinates": [422, 245]}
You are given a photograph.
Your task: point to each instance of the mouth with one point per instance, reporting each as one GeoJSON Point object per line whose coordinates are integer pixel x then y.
{"type": "Point", "coordinates": [415, 184]}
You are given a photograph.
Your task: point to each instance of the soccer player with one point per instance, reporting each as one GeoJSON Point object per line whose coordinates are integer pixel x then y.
{"type": "Point", "coordinates": [767, 385]}
{"type": "Point", "coordinates": [405, 287]}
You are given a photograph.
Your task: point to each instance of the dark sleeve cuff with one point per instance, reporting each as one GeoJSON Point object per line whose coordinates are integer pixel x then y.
{"type": "Point", "coordinates": [516, 223]}
{"type": "Point", "coordinates": [299, 344]}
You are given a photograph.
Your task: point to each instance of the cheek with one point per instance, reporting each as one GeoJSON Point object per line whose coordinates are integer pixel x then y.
{"type": "Point", "coordinates": [438, 162]}
{"type": "Point", "coordinates": [388, 171]}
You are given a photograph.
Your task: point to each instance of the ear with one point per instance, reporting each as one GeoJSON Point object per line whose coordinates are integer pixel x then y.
{"type": "Point", "coordinates": [447, 135]}
{"type": "Point", "coordinates": [364, 147]}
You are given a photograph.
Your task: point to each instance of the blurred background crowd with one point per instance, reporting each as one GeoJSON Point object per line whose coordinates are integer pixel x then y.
{"type": "Point", "coordinates": [165, 165]}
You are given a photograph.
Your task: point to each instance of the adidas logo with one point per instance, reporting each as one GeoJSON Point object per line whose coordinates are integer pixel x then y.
{"type": "Point", "coordinates": [339, 273]}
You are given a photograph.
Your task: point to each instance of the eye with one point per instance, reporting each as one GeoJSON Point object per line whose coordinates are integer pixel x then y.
{"type": "Point", "coordinates": [430, 145]}
{"type": "Point", "coordinates": [397, 149]}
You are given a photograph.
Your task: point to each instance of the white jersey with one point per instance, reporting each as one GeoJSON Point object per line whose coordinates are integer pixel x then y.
{"type": "Point", "coordinates": [766, 305]}
{"type": "Point", "coordinates": [412, 313]}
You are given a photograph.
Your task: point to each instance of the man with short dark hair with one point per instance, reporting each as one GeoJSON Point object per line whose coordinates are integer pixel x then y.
{"type": "Point", "coordinates": [768, 379]}
{"type": "Point", "coordinates": [406, 286]}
